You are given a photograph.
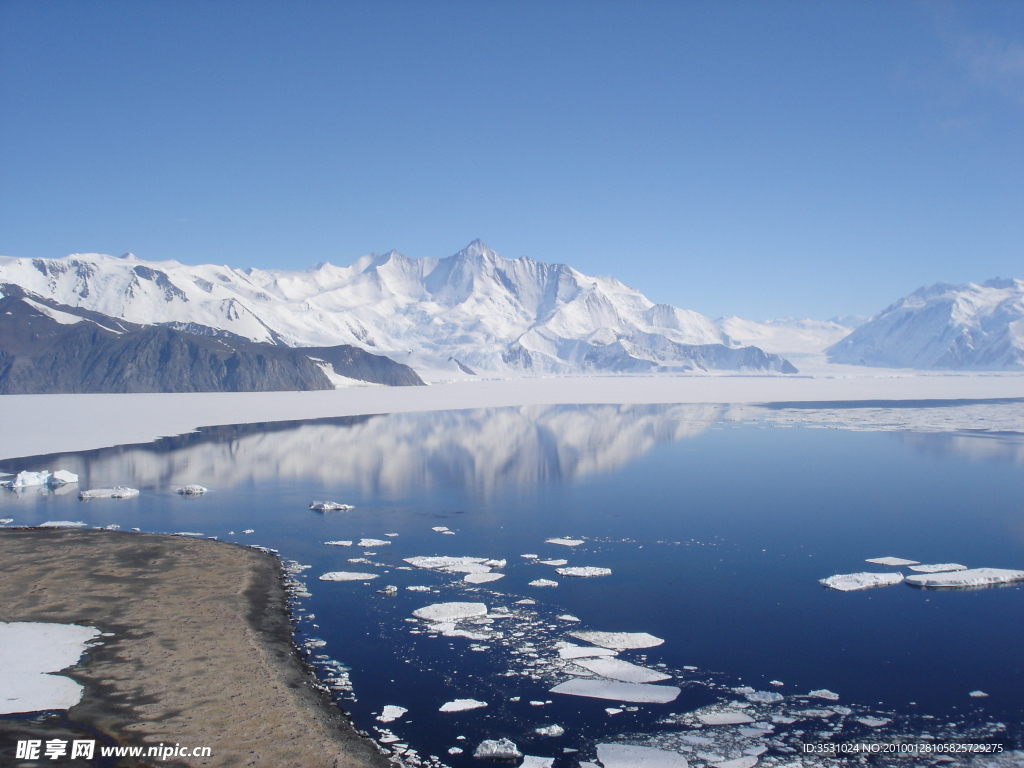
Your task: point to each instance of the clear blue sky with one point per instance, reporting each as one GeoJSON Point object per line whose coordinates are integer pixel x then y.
{"type": "Point", "coordinates": [751, 158]}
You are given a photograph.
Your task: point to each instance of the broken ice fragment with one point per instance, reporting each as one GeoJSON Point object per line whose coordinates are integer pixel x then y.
{"type": "Point", "coordinates": [891, 561]}
{"type": "Point", "coordinates": [973, 577]}
{"type": "Point", "coordinates": [616, 669]}
{"type": "Point", "coordinates": [450, 564]}
{"type": "Point", "coordinates": [978, 694]}
{"type": "Point", "coordinates": [849, 582]}
{"type": "Point", "coordinates": [482, 578]}
{"type": "Point", "coordinates": [532, 761]}
{"type": "Point", "coordinates": [373, 542]}
{"type": "Point", "coordinates": [764, 697]}
{"type": "Point", "coordinates": [63, 477]}
{"type": "Point", "coordinates": [390, 713]}
{"type": "Point", "coordinates": [542, 583]}
{"type": "Point", "coordinates": [550, 730]}
{"type": "Point", "coordinates": [570, 651]}
{"type": "Point", "coordinates": [632, 692]}
{"type": "Point", "coordinates": [497, 749]}
{"type": "Point", "coordinates": [347, 576]}
{"type": "Point", "coordinates": [191, 490]}
{"type": "Point", "coordinates": [330, 506]}
{"type": "Point", "coordinates": [333, 543]}
{"type": "Point", "coordinates": [620, 641]}
{"type": "Point", "coordinates": [824, 693]}
{"type": "Point", "coordinates": [938, 568]}
{"type": "Point", "coordinates": [725, 718]}
{"type": "Point", "coordinates": [628, 756]}
{"type": "Point", "coordinates": [747, 761]}
{"type": "Point", "coordinates": [873, 722]}
{"type": "Point", "coordinates": [583, 571]}
{"type": "Point", "coordinates": [439, 528]}
{"type": "Point", "coordinates": [461, 705]}
{"type": "Point", "coordinates": [564, 542]}
{"type": "Point", "coordinates": [27, 480]}
{"type": "Point", "coordinates": [117, 492]}
{"type": "Point", "coordinates": [554, 562]}
{"type": "Point", "coordinates": [450, 611]}
{"type": "Point", "coordinates": [567, 617]}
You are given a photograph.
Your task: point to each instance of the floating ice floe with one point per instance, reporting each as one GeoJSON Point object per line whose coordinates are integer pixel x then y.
{"type": "Point", "coordinates": [450, 564]}
{"type": "Point", "coordinates": [461, 705]}
{"type": "Point", "coordinates": [191, 490]}
{"type": "Point", "coordinates": [338, 543]}
{"type": "Point", "coordinates": [63, 477]}
{"type": "Point", "coordinates": [29, 652]}
{"type": "Point", "coordinates": [247, 530]}
{"type": "Point", "coordinates": [373, 542]}
{"type": "Point", "coordinates": [347, 576]}
{"type": "Point", "coordinates": [874, 722]}
{"type": "Point", "coordinates": [27, 480]}
{"type": "Point", "coordinates": [564, 542]}
{"type": "Point", "coordinates": [439, 528]}
{"type": "Point", "coordinates": [763, 697]}
{"type": "Point", "coordinates": [482, 578]}
{"type": "Point", "coordinates": [849, 582]}
{"type": "Point", "coordinates": [725, 718]}
{"type": "Point", "coordinates": [628, 756]}
{"type": "Point", "coordinates": [938, 568]}
{"type": "Point", "coordinates": [532, 761]}
{"type": "Point", "coordinates": [118, 492]}
{"type": "Point", "coordinates": [6, 520]}
{"type": "Point", "coordinates": [553, 562]}
{"type": "Point", "coordinates": [821, 713]}
{"type": "Point", "coordinates": [418, 588]}
{"type": "Point", "coordinates": [495, 563]}
{"type": "Point", "coordinates": [570, 651]}
{"type": "Point", "coordinates": [616, 669]}
{"type": "Point", "coordinates": [552, 731]}
{"type": "Point", "coordinates": [891, 561]}
{"type": "Point", "coordinates": [567, 617]}
{"type": "Point", "coordinates": [747, 761]}
{"type": "Point", "coordinates": [62, 524]}
{"type": "Point", "coordinates": [330, 506]}
{"type": "Point", "coordinates": [583, 571]}
{"type": "Point", "coordinates": [542, 583]}
{"type": "Point", "coordinates": [390, 713]}
{"type": "Point", "coordinates": [620, 641]}
{"type": "Point", "coordinates": [978, 695]}
{"type": "Point", "coordinates": [972, 577]}
{"type": "Point", "coordinates": [824, 693]}
{"type": "Point", "coordinates": [617, 691]}
{"type": "Point", "coordinates": [450, 611]}
{"type": "Point", "coordinates": [497, 749]}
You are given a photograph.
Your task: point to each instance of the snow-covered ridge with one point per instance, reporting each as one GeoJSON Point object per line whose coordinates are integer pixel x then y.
{"type": "Point", "coordinates": [943, 326]}
{"type": "Point", "coordinates": [475, 308]}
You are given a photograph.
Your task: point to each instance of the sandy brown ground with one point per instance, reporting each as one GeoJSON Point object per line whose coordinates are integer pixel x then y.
{"type": "Point", "coordinates": [201, 653]}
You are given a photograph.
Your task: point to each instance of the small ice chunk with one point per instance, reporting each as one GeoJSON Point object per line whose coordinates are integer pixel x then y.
{"type": "Point", "coordinates": [336, 543]}
{"type": "Point", "coordinates": [583, 571]}
{"type": "Point", "coordinates": [389, 590]}
{"type": "Point", "coordinates": [616, 669]}
{"type": "Point", "coordinates": [118, 492]}
{"type": "Point", "coordinates": [620, 641]}
{"type": "Point", "coordinates": [63, 477]}
{"type": "Point", "coordinates": [550, 730]}
{"type": "Point", "coordinates": [628, 756]}
{"type": "Point", "coordinates": [450, 564]}
{"type": "Point", "coordinates": [27, 480]}
{"type": "Point", "coordinates": [439, 528]}
{"type": "Point", "coordinates": [62, 524]}
{"type": "Point", "coordinates": [495, 563]}
{"type": "Point", "coordinates": [542, 583]}
{"type": "Point", "coordinates": [347, 576]}
{"type": "Point", "coordinates": [570, 651]}
{"type": "Point", "coordinates": [725, 718]}
{"type": "Point", "coordinates": [191, 490]}
{"type": "Point", "coordinates": [894, 561]}
{"type": "Point", "coordinates": [978, 695]}
{"type": "Point", "coordinates": [567, 617]}
{"type": "Point", "coordinates": [247, 530]}
{"type": "Point", "coordinates": [454, 750]}
{"type": "Point", "coordinates": [972, 577]}
{"type": "Point", "coordinates": [390, 713]}
{"type": "Point", "coordinates": [822, 713]}
{"type": "Point", "coordinates": [747, 761]}
{"type": "Point", "coordinates": [482, 578]}
{"type": "Point", "coordinates": [529, 557]}
{"type": "Point", "coordinates": [418, 588]}
{"type": "Point", "coordinates": [6, 520]}
{"type": "Point", "coordinates": [497, 749]}
{"type": "Point", "coordinates": [554, 562]}
{"type": "Point", "coordinates": [564, 542]}
{"type": "Point", "coordinates": [824, 693]}
{"type": "Point", "coordinates": [783, 719]}
{"type": "Point", "coordinates": [874, 722]}
{"type": "Point", "coordinates": [764, 697]}
{"type": "Point", "coordinates": [450, 611]}
{"type": "Point", "coordinates": [461, 705]}
{"type": "Point", "coordinates": [373, 542]}
{"type": "Point", "coordinates": [938, 568]}
{"type": "Point", "coordinates": [532, 761]}
{"type": "Point", "coordinates": [613, 710]}
{"type": "Point", "coordinates": [616, 691]}
{"type": "Point", "coordinates": [330, 506]}
{"type": "Point", "coordinates": [849, 582]}
{"type": "Point", "coordinates": [391, 535]}
{"type": "Point", "coordinates": [776, 682]}
{"type": "Point", "coordinates": [528, 601]}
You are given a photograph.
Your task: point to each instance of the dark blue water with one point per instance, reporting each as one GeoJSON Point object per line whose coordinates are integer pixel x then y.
{"type": "Point", "coordinates": [716, 539]}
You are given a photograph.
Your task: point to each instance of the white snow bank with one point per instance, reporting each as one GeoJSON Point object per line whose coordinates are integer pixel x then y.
{"type": "Point", "coordinates": [938, 568]}
{"type": "Point", "coordinates": [330, 506]}
{"type": "Point", "coordinates": [972, 577]}
{"type": "Point", "coordinates": [631, 692]}
{"type": "Point", "coordinates": [347, 576]}
{"type": "Point", "coordinates": [570, 651]}
{"type": "Point", "coordinates": [891, 561]}
{"type": "Point", "coordinates": [117, 492]}
{"type": "Point", "coordinates": [616, 669]}
{"type": "Point", "coordinates": [620, 641]}
{"type": "Point", "coordinates": [192, 490]}
{"type": "Point", "coordinates": [583, 571]}
{"type": "Point", "coordinates": [564, 542]}
{"type": "Point", "coordinates": [62, 524]}
{"type": "Point", "coordinates": [28, 651]}
{"type": "Point", "coordinates": [461, 705]}
{"type": "Point", "coordinates": [450, 611]}
{"type": "Point", "coordinates": [848, 582]}
{"type": "Point", "coordinates": [542, 583]}
{"type": "Point", "coordinates": [390, 713]}
{"type": "Point", "coordinates": [628, 756]}
{"type": "Point", "coordinates": [482, 578]}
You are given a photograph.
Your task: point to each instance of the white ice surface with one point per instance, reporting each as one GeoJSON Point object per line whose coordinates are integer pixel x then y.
{"type": "Point", "coordinates": [554, 562]}
{"type": "Point", "coordinates": [347, 576]}
{"type": "Point", "coordinates": [373, 542]}
{"type": "Point", "coordinates": [482, 578]}
{"type": "Point", "coordinates": [570, 651]}
{"type": "Point", "coordinates": [725, 718]}
{"type": "Point", "coordinates": [617, 669]}
{"type": "Point", "coordinates": [63, 524]}
{"type": "Point", "coordinates": [390, 713]}
{"type": "Point", "coordinates": [620, 641]}
{"type": "Point", "coordinates": [628, 756]}
{"type": "Point", "coordinates": [118, 492]}
{"type": "Point", "coordinates": [891, 561]}
{"type": "Point", "coordinates": [330, 506]}
{"type": "Point", "coordinates": [338, 543]}
{"type": "Point", "coordinates": [192, 490]}
{"type": "Point", "coordinates": [36, 424]}
{"type": "Point", "coordinates": [450, 611]}
{"type": "Point", "coordinates": [63, 477]}
{"type": "Point", "coordinates": [450, 564]}
{"type": "Point", "coordinates": [972, 577]}
{"type": "Point", "coordinates": [616, 691]}
{"type": "Point", "coordinates": [27, 480]}
{"type": "Point", "coordinates": [564, 542]}
{"type": "Point", "coordinates": [938, 568]}
{"type": "Point", "coordinates": [583, 571]}
{"type": "Point", "coordinates": [461, 705]}
{"type": "Point", "coordinates": [532, 761]}
{"type": "Point", "coordinates": [849, 582]}
{"type": "Point", "coordinates": [542, 583]}
{"type": "Point", "coordinates": [30, 650]}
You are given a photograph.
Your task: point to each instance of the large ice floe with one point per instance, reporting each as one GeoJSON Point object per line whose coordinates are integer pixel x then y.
{"type": "Point", "coordinates": [451, 564]}
{"type": "Point", "coordinates": [448, 612]}
{"type": "Point", "coordinates": [629, 756]}
{"type": "Point", "coordinates": [462, 705]}
{"type": "Point", "coordinates": [583, 571]}
{"type": "Point", "coordinates": [618, 691]}
{"type": "Point", "coordinates": [29, 652]}
{"type": "Point", "coordinates": [117, 492]}
{"type": "Point", "coordinates": [938, 568]}
{"type": "Point", "coordinates": [849, 582]}
{"type": "Point", "coordinates": [617, 669]}
{"type": "Point", "coordinates": [390, 713]}
{"type": "Point", "coordinates": [620, 641]}
{"type": "Point", "coordinates": [347, 576]}
{"type": "Point", "coordinates": [63, 524]}
{"type": "Point", "coordinates": [972, 577]}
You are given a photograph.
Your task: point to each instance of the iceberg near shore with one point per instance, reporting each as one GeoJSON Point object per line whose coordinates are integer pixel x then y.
{"type": "Point", "coordinates": [973, 577]}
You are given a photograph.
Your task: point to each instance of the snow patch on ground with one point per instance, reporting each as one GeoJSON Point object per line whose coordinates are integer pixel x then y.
{"type": "Point", "coordinates": [29, 651]}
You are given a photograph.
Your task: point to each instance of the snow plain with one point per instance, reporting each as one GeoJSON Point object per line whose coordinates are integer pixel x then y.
{"type": "Point", "coordinates": [29, 651]}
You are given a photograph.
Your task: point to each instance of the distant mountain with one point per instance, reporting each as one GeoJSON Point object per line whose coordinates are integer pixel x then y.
{"type": "Point", "coordinates": [785, 335]}
{"type": "Point", "coordinates": [943, 326]}
{"type": "Point", "coordinates": [46, 349]}
{"type": "Point", "coordinates": [471, 312]}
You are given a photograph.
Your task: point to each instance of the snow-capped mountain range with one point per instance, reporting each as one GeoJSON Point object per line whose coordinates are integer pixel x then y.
{"type": "Point", "coordinates": [943, 326]}
{"type": "Point", "coordinates": [474, 311]}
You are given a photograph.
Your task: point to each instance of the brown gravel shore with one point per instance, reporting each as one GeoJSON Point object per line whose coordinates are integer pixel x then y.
{"type": "Point", "coordinates": [201, 652]}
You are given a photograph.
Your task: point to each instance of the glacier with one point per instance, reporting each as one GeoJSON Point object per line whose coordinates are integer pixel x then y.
{"type": "Point", "coordinates": [471, 312]}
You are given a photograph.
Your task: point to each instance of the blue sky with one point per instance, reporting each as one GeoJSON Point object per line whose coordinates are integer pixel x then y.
{"type": "Point", "coordinates": [751, 158]}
